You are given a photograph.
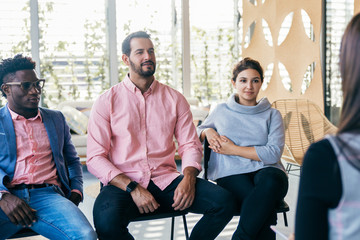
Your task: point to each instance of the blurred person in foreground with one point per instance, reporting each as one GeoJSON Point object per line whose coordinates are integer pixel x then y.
{"type": "Point", "coordinates": [131, 150]}
{"type": "Point", "coordinates": [329, 195]}
{"type": "Point", "coordinates": [40, 172]}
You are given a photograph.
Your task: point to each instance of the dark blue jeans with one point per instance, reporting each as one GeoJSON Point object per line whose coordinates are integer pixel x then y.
{"type": "Point", "coordinates": [114, 209]}
{"type": "Point", "coordinates": [257, 195]}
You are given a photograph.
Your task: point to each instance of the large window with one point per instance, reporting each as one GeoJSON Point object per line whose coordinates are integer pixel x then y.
{"type": "Point", "coordinates": [160, 19]}
{"type": "Point", "coordinates": [14, 29]}
{"type": "Point", "coordinates": [213, 52]}
{"type": "Point", "coordinates": [74, 51]}
{"type": "Point", "coordinates": [338, 14]}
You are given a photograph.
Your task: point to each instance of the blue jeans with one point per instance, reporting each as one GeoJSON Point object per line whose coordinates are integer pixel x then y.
{"type": "Point", "coordinates": [114, 209]}
{"type": "Point", "coordinates": [57, 217]}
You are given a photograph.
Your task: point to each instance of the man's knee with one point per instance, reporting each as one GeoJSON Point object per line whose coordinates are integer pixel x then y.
{"type": "Point", "coordinates": [107, 227]}
{"type": "Point", "coordinates": [111, 221]}
{"type": "Point", "coordinates": [229, 202]}
{"type": "Point", "coordinates": [111, 231]}
{"type": "Point", "coordinates": [87, 233]}
{"type": "Point", "coordinates": [224, 203]}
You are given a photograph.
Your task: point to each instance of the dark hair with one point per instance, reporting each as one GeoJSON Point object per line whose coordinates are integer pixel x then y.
{"type": "Point", "coordinates": [350, 74]}
{"type": "Point", "coordinates": [247, 63]}
{"type": "Point", "coordinates": [9, 66]}
{"type": "Point", "coordinates": [126, 49]}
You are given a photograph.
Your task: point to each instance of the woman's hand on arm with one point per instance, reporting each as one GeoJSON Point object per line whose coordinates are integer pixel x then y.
{"type": "Point", "coordinates": [228, 147]}
{"type": "Point", "coordinates": [213, 138]}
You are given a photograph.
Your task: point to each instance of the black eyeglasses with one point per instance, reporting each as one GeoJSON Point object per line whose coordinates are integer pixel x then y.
{"type": "Point", "coordinates": [26, 86]}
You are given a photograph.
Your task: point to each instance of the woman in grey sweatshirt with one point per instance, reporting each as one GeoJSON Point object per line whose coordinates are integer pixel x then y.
{"type": "Point", "coordinates": [247, 139]}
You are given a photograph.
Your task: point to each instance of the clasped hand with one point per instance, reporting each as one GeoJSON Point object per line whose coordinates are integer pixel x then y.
{"type": "Point", "coordinates": [219, 144]}
{"type": "Point", "coordinates": [184, 196]}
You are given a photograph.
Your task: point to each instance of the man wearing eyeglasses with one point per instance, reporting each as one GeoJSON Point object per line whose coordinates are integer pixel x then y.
{"type": "Point", "coordinates": [40, 172]}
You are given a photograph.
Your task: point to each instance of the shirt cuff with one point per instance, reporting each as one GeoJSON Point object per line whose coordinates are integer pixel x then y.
{"type": "Point", "coordinates": [192, 159]}
{"type": "Point", "coordinates": [77, 191]}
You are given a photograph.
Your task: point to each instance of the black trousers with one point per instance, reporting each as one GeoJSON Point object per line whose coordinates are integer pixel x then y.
{"type": "Point", "coordinates": [114, 209]}
{"type": "Point", "coordinates": [257, 195]}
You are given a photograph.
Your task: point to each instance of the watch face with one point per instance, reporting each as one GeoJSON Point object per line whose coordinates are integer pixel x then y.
{"type": "Point", "coordinates": [131, 186]}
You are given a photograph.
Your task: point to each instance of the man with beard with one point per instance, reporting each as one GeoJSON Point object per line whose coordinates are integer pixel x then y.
{"type": "Point", "coordinates": [40, 172]}
{"type": "Point", "coordinates": [131, 150]}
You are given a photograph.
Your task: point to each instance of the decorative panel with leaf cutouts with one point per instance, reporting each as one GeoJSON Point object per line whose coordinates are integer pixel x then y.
{"type": "Point", "coordinates": [284, 36]}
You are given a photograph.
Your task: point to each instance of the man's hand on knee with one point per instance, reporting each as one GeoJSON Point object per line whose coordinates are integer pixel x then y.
{"type": "Point", "coordinates": [144, 200]}
{"type": "Point", "coordinates": [17, 210]}
{"type": "Point", "coordinates": [184, 194]}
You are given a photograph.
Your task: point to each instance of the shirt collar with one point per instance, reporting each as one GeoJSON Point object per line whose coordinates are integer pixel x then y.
{"type": "Point", "coordinates": [15, 116]}
{"type": "Point", "coordinates": [132, 87]}
{"type": "Point", "coordinates": [262, 105]}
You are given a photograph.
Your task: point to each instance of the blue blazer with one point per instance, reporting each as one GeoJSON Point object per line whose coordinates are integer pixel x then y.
{"type": "Point", "coordinates": [64, 154]}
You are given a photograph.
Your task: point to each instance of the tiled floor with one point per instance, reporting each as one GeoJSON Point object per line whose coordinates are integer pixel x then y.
{"type": "Point", "coordinates": [160, 229]}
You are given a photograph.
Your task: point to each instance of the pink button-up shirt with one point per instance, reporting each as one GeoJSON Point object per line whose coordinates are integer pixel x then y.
{"type": "Point", "coordinates": [34, 164]}
{"type": "Point", "coordinates": [132, 133]}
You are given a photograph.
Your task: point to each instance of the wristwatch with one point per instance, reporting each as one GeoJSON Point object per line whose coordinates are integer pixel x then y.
{"type": "Point", "coordinates": [131, 186]}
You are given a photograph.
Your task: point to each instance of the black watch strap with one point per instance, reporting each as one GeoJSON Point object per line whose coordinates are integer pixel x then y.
{"type": "Point", "coordinates": [131, 186]}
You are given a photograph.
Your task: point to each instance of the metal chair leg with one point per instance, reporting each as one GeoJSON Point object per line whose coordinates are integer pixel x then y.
{"type": "Point", "coordinates": [185, 228]}
{"type": "Point", "coordinates": [285, 219]}
{"type": "Point", "coordinates": [172, 227]}
{"type": "Point", "coordinates": [288, 168]}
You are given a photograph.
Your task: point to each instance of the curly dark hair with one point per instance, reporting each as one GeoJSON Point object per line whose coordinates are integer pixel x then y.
{"type": "Point", "coordinates": [9, 66]}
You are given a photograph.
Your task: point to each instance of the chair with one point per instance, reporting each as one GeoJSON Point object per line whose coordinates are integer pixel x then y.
{"type": "Point", "coordinates": [283, 207]}
{"type": "Point", "coordinates": [304, 123]}
{"type": "Point", "coordinates": [25, 232]}
{"type": "Point", "coordinates": [161, 214]}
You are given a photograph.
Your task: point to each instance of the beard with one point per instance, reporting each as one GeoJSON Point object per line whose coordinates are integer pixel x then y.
{"type": "Point", "coordinates": [139, 70]}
